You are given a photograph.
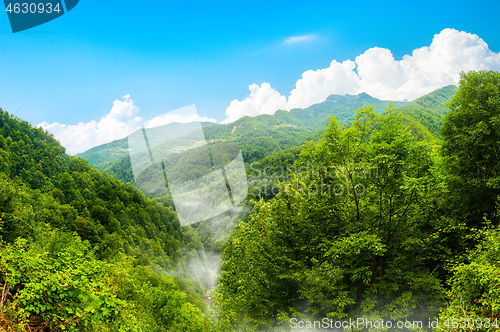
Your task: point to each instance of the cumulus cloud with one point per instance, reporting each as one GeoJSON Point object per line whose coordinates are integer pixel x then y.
{"type": "Point", "coordinates": [316, 85]}
{"type": "Point", "coordinates": [120, 122]}
{"type": "Point", "coordinates": [262, 100]}
{"type": "Point", "coordinates": [377, 73]}
{"type": "Point", "coordinates": [178, 118]}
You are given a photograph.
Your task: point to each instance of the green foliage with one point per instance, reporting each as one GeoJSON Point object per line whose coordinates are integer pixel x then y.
{"type": "Point", "coordinates": [264, 176]}
{"type": "Point", "coordinates": [257, 137]}
{"type": "Point", "coordinates": [158, 302]}
{"type": "Point", "coordinates": [370, 218]}
{"type": "Point", "coordinates": [63, 290]}
{"type": "Point", "coordinates": [344, 238]}
{"type": "Point", "coordinates": [265, 135]}
{"type": "Point", "coordinates": [471, 146]}
{"type": "Point", "coordinates": [73, 196]}
{"type": "Point", "coordinates": [67, 288]}
{"type": "Point", "coordinates": [99, 156]}
{"type": "Point", "coordinates": [424, 115]}
{"type": "Point", "coordinates": [474, 292]}
{"type": "Point", "coordinates": [121, 169]}
{"type": "Point", "coordinates": [66, 227]}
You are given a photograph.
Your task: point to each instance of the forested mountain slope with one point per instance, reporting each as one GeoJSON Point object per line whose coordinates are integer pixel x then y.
{"type": "Point", "coordinates": [423, 118]}
{"type": "Point", "coordinates": [377, 224]}
{"type": "Point", "coordinates": [380, 219]}
{"type": "Point", "coordinates": [265, 135]}
{"type": "Point", "coordinates": [106, 153]}
{"type": "Point", "coordinates": [424, 115]}
{"type": "Point", "coordinates": [60, 219]}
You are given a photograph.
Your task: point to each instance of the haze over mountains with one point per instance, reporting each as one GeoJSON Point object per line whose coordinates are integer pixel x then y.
{"type": "Point", "coordinates": [336, 229]}
{"type": "Point", "coordinates": [267, 134]}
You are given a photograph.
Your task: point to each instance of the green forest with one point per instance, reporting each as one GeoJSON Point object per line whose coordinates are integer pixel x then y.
{"type": "Point", "coordinates": [358, 209]}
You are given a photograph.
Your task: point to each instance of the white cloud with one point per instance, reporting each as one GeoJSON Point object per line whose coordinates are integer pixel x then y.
{"type": "Point", "coordinates": [316, 85]}
{"type": "Point", "coordinates": [299, 39]}
{"type": "Point", "coordinates": [262, 100]}
{"type": "Point", "coordinates": [377, 73]}
{"type": "Point", "coordinates": [120, 122]}
{"type": "Point", "coordinates": [179, 118]}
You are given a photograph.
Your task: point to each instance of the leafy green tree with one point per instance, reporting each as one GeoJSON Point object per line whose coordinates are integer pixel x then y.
{"type": "Point", "coordinates": [345, 238]}
{"type": "Point", "coordinates": [474, 296]}
{"type": "Point", "coordinates": [66, 227]}
{"type": "Point", "coordinates": [471, 146]}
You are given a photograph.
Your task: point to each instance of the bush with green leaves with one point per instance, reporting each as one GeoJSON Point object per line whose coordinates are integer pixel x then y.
{"type": "Point", "coordinates": [474, 296]}
{"type": "Point", "coordinates": [63, 290]}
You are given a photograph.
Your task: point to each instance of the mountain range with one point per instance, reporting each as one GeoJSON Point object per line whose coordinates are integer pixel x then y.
{"type": "Point", "coordinates": [265, 135]}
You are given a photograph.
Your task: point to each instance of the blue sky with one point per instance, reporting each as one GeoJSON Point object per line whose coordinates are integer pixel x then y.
{"type": "Point", "coordinates": [169, 54]}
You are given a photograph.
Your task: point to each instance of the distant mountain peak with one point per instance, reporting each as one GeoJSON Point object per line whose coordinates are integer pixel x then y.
{"type": "Point", "coordinates": [362, 95]}
{"type": "Point", "coordinates": [292, 126]}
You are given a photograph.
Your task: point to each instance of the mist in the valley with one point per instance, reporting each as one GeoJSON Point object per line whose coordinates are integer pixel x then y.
{"type": "Point", "coordinates": [206, 268]}
{"type": "Point", "coordinates": [217, 230]}
{"type": "Point", "coordinates": [203, 265]}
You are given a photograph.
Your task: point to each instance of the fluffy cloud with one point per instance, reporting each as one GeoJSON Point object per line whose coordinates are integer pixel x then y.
{"type": "Point", "coordinates": [179, 118]}
{"type": "Point", "coordinates": [262, 100]}
{"type": "Point", "coordinates": [316, 85]}
{"type": "Point", "coordinates": [120, 122]}
{"type": "Point", "coordinates": [377, 73]}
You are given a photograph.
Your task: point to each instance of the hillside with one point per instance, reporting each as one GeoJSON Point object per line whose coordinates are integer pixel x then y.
{"type": "Point", "coordinates": [372, 222]}
{"type": "Point", "coordinates": [67, 221]}
{"type": "Point", "coordinates": [266, 135]}
{"type": "Point", "coordinates": [367, 218]}
{"type": "Point", "coordinates": [104, 154]}
{"type": "Point", "coordinates": [424, 115]}
{"type": "Point", "coordinates": [258, 136]}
